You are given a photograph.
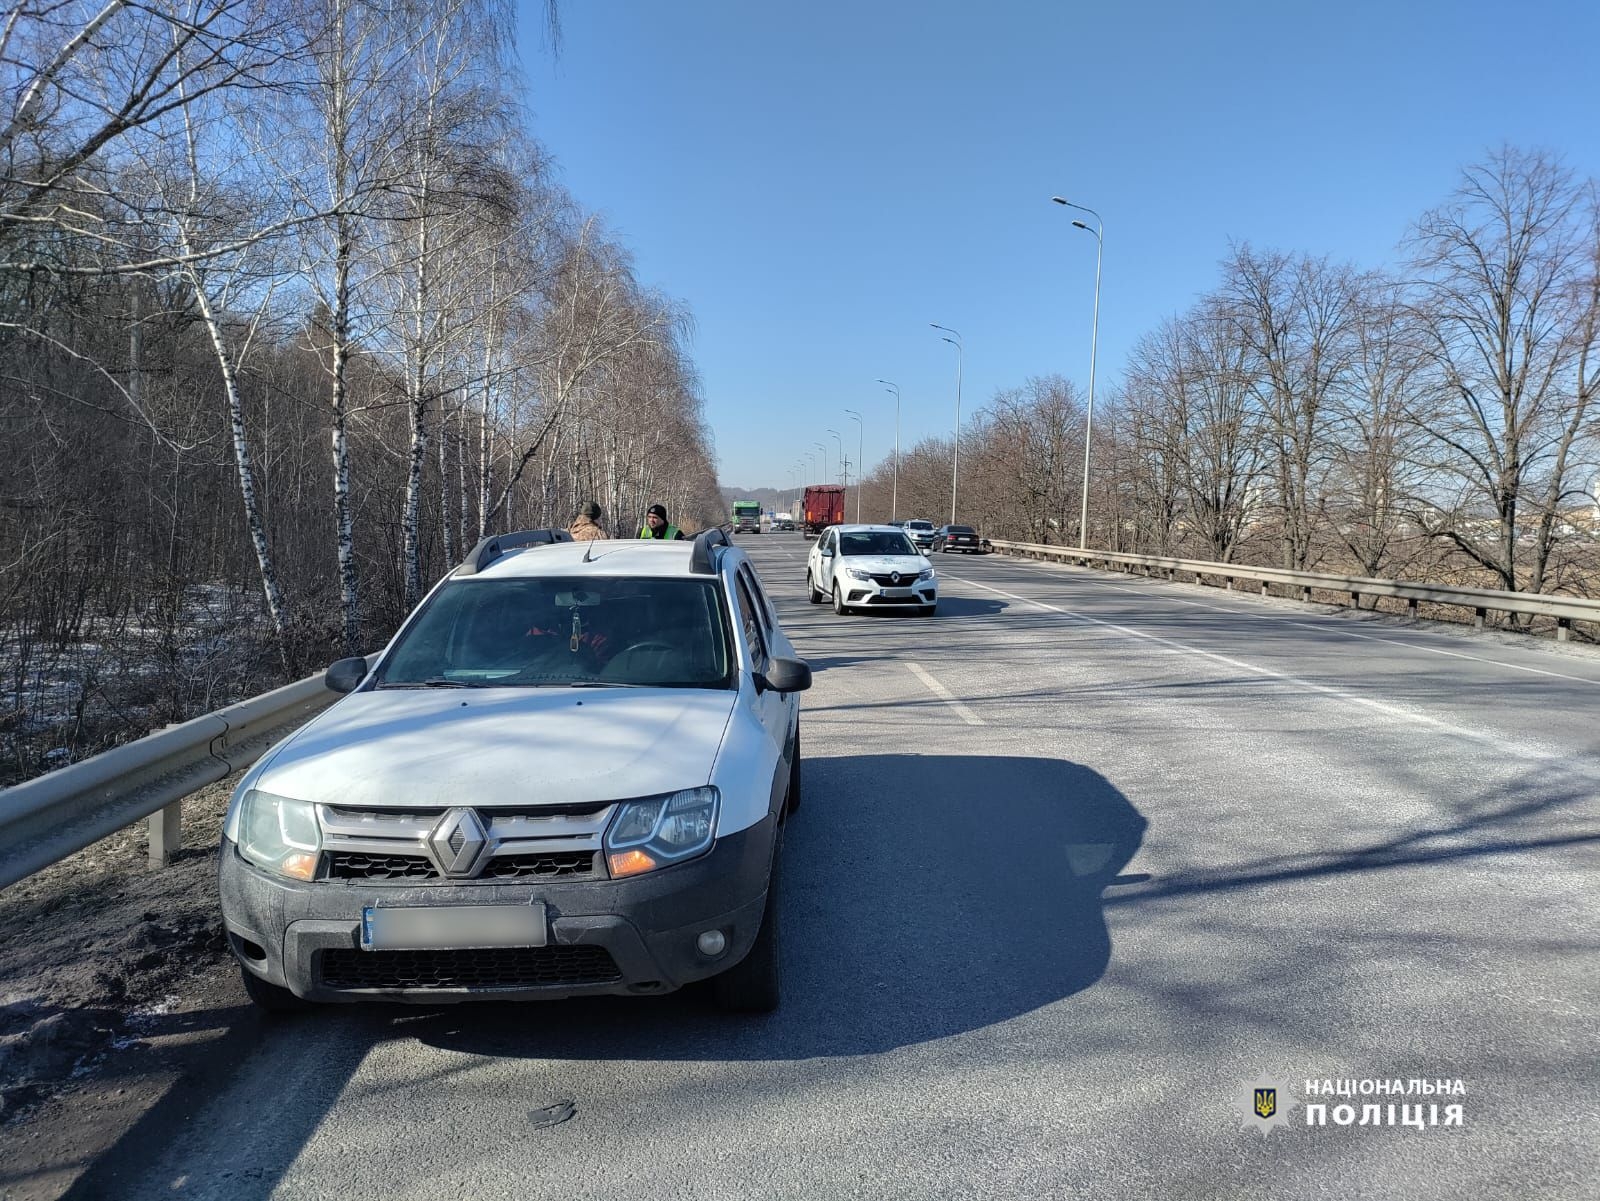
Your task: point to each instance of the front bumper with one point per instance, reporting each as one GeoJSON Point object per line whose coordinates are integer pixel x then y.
{"type": "Point", "coordinates": [869, 593]}
{"type": "Point", "coordinates": [605, 936]}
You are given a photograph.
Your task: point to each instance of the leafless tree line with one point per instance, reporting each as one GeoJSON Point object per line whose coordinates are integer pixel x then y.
{"type": "Point", "coordinates": [292, 311]}
{"type": "Point", "coordinates": [1438, 421]}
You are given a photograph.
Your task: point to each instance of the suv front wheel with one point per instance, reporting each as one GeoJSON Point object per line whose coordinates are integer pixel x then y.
{"type": "Point", "coordinates": [812, 594]}
{"type": "Point", "coordinates": [270, 997]}
{"type": "Point", "coordinates": [839, 606]}
{"type": "Point", "coordinates": [754, 984]}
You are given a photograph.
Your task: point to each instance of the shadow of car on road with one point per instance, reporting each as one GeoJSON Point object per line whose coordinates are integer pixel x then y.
{"type": "Point", "coordinates": [924, 896]}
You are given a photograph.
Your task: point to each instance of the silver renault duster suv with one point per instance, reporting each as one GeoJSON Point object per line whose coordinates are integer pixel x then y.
{"type": "Point", "coordinates": [568, 773]}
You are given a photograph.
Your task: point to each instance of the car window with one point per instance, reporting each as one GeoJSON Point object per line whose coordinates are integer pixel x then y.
{"type": "Point", "coordinates": [751, 623]}
{"type": "Point", "coordinates": [876, 542]}
{"type": "Point", "coordinates": [960, 529]}
{"type": "Point", "coordinates": [752, 578]}
{"type": "Point", "coordinates": [556, 630]}
{"type": "Point", "coordinates": [919, 525]}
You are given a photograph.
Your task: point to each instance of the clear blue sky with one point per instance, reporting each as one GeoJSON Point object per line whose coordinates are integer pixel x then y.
{"type": "Point", "coordinates": [819, 181]}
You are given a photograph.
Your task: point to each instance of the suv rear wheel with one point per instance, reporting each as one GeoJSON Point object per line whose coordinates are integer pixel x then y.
{"type": "Point", "coordinates": [794, 775]}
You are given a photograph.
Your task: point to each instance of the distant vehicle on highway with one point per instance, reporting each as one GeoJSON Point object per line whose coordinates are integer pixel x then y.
{"type": "Point", "coordinates": [747, 516]}
{"type": "Point", "coordinates": [822, 506]}
{"type": "Point", "coordinates": [957, 537]}
{"type": "Point", "coordinates": [921, 533]}
{"type": "Point", "coordinates": [568, 774]}
{"type": "Point", "coordinates": [870, 566]}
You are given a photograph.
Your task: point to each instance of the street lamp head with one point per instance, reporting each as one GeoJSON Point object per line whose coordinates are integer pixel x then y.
{"type": "Point", "coordinates": [1059, 199]}
{"type": "Point", "coordinates": [952, 341]}
{"type": "Point", "coordinates": [1080, 225]}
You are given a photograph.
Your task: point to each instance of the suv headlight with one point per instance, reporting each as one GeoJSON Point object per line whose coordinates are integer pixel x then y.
{"type": "Point", "coordinates": [925, 574]}
{"type": "Point", "coordinates": [279, 834]}
{"type": "Point", "coordinates": [855, 573]}
{"type": "Point", "coordinates": [659, 831]}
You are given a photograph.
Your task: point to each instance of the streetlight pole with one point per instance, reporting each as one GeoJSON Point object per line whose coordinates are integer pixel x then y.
{"type": "Point", "coordinates": [844, 463]}
{"type": "Point", "coordinates": [826, 474]}
{"type": "Point", "coordinates": [894, 501]}
{"type": "Point", "coordinates": [1094, 341]}
{"type": "Point", "coordinates": [955, 460]}
{"type": "Point", "coordinates": [861, 443]}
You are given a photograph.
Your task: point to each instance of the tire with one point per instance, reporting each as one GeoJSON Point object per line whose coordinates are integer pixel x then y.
{"type": "Point", "coordinates": [754, 984]}
{"type": "Point", "coordinates": [792, 804]}
{"type": "Point", "coordinates": [270, 997]}
{"type": "Point", "coordinates": [812, 594]}
{"type": "Point", "coordinates": [839, 606]}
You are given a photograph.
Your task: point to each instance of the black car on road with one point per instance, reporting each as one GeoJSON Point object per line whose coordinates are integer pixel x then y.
{"type": "Point", "coordinates": [956, 537]}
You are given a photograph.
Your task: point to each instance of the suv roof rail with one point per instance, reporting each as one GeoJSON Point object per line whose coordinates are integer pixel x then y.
{"type": "Point", "coordinates": [700, 559]}
{"type": "Point", "coordinates": [490, 549]}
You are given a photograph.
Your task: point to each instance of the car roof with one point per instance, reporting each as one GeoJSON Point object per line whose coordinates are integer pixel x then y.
{"type": "Point", "coordinates": [874, 529]}
{"type": "Point", "coordinates": [603, 557]}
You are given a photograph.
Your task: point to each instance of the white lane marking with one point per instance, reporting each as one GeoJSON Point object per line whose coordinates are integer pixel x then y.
{"type": "Point", "coordinates": [1330, 627]}
{"type": "Point", "coordinates": [1501, 746]}
{"type": "Point", "coordinates": [944, 694]}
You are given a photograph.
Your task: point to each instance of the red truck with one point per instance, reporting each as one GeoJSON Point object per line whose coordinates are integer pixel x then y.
{"type": "Point", "coordinates": [823, 506]}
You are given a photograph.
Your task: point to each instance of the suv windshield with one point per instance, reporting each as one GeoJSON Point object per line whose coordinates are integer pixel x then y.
{"type": "Point", "coordinates": [875, 542]}
{"type": "Point", "coordinates": [919, 525]}
{"type": "Point", "coordinates": [664, 633]}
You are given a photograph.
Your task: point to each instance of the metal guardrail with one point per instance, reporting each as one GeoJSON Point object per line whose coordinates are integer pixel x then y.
{"type": "Point", "coordinates": [46, 819]}
{"type": "Point", "coordinates": [1565, 609]}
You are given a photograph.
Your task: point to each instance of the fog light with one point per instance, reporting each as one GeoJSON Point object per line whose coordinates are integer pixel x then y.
{"type": "Point", "coordinates": [712, 943]}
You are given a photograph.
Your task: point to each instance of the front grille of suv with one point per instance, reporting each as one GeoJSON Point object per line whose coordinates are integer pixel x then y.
{"type": "Point", "coordinates": [907, 579]}
{"type": "Point", "coordinates": [357, 865]}
{"type": "Point", "coordinates": [546, 865]}
{"type": "Point", "coordinates": [503, 967]}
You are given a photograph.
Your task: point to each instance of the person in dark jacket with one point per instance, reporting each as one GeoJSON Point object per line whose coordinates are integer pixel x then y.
{"type": "Point", "coordinates": [656, 524]}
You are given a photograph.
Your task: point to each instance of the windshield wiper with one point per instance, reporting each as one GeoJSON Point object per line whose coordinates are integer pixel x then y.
{"type": "Point", "coordinates": [436, 682]}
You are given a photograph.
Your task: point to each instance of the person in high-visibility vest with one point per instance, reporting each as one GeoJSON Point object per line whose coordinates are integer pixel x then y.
{"type": "Point", "coordinates": [656, 524]}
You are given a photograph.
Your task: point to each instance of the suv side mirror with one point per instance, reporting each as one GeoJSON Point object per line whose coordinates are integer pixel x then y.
{"type": "Point", "coordinates": [346, 674]}
{"type": "Point", "coordinates": [785, 675]}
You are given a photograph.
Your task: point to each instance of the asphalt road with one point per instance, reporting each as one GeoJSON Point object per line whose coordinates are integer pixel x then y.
{"type": "Point", "coordinates": [1077, 857]}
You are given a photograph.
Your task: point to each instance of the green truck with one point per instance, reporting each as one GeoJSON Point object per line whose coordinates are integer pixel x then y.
{"type": "Point", "coordinates": [747, 517]}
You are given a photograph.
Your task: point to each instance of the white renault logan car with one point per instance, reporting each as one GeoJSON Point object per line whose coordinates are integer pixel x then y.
{"type": "Point", "coordinates": [568, 773]}
{"type": "Point", "coordinates": [870, 566]}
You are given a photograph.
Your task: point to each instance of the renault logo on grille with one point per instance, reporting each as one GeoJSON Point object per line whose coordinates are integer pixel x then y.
{"type": "Point", "coordinates": [894, 577]}
{"type": "Point", "coordinates": [457, 842]}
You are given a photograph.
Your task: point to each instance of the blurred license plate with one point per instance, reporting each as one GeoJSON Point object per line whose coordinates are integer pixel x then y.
{"type": "Point", "coordinates": [416, 928]}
